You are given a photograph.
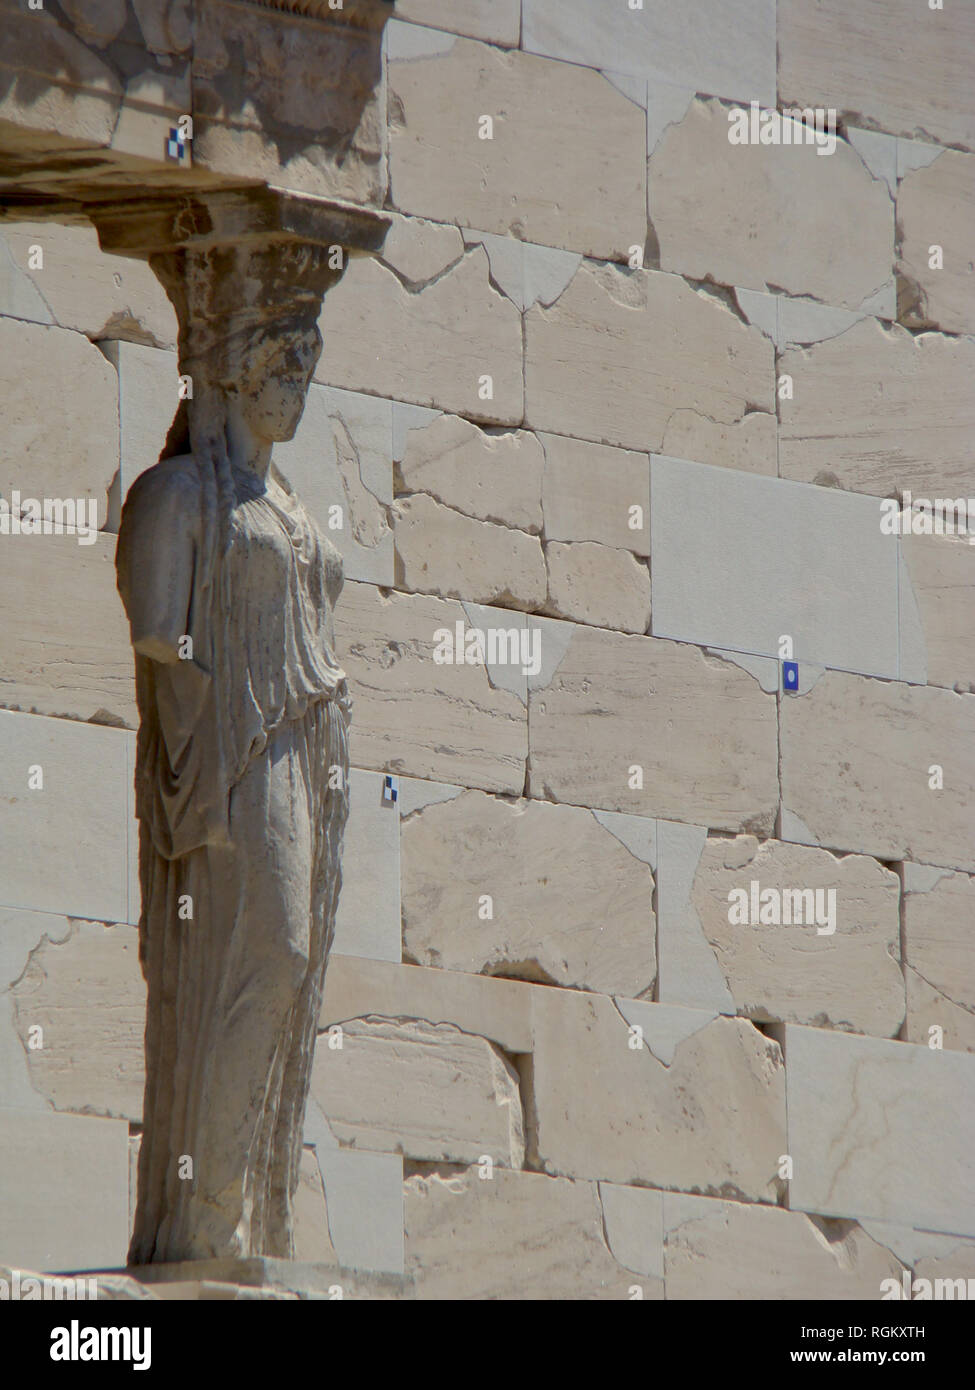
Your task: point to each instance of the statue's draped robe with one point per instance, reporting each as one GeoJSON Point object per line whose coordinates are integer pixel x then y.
{"type": "Point", "coordinates": [242, 798]}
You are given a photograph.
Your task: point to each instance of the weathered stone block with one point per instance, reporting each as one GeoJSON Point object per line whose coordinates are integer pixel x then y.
{"type": "Point", "coordinates": [898, 66]}
{"type": "Point", "coordinates": [564, 164]}
{"type": "Point", "coordinates": [710, 1118]}
{"type": "Point", "coordinates": [939, 953]}
{"type": "Point", "coordinates": [591, 583]}
{"type": "Point", "coordinates": [881, 1129]}
{"type": "Point", "coordinates": [940, 580]}
{"type": "Point", "coordinates": [759, 215]}
{"type": "Point", "coordinates": [64, 844]}
{"type": "Point", "coordinates": [413, 716]}
{"type": "Point", "coordinates": [498, 21]}
{"type": "Point", "coordinates": [63, 1191]}
{"type": "Point", "coordinates": [835, 962]}
{"type": "Point", "coordinates": [857, 760]}
{"type": "Point", "coordinates": [900, 410]}
{"type": "Point", "coordinates": [492, 477]}
{"type": "Point", "coordinates": [654, 728]}
{"type": "Point", "coordinates": [936, 209]}
{"type": "Point", "coordinates": [518, 1236]}
{"type": "Point", "coordinates": [428, 1091]}
{"type": "Point", "coordinates": [148, 397]}
{"type": "Point", "coordinates": [724, 1250]}
{"type": "Point", "coordinates": [66, 640]}
{"type": "Point", "coordinates": [594, 493]}
{"type": "Point", "coordinates": [568, 904]}
{"type": "Point", "coordinates": [621, 353]}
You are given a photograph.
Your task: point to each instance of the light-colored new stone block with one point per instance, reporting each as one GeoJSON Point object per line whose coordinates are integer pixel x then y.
{"type": "Point", "coordinates": [313, 1244]}
{"type": "Point", "coordinates": [727, 48]}
{"type": "Point", "coordinates": [621, 353]}
{"type": "Point", "coordinates": [498, 21]}
{"type": "Point", "coordinates": [594, 493]}
{"type": "Point", "coordinates": [61, 435]}
{"type": "Point", "coordinates": [63, 1191]}
{"type": "Point", "coordinates": [936, 211]}
{"type": "Point", "coordinates": [900, 412]}
{"type": "Point", "coordinates": [492, 477]}
{"type": "Point", "coordinates": [443, 552]}
{"type": "Point", "coordinates": [367, 923]}
{"type": "Point", "coordinates": [66, 640]}
{"type": "Point", "coordinates": [414, 716]}
{"type": "Point", "coordinates": [364, 1195]}
{"type": "Point", "coordinates": [148, 395]}
{"type": "Point", "coordinates": [79, 286]}
{"type": "Point", "coordinates": [339, 462]}
{"type": "Point", "coordinates": [939, 949]}
{"type": "Point", "coordinates": [514, 1236]}
{"type": "Point", "coordinates": [529, 890]}
{"type": "Point", "coordinates": [898, 66]}
{"type": "Point", "coordinates": [859, 764]}
{"type": "Point", "coordinates": [739, 561]}
{"type": "Point", "coordinates": [760, 215]}
{"type": "Point", "coordinates": [650, 727]}
{"type": "Point", "coordinates": [562, 163]}
{"type": "Point", "coordinates": [499, 1010]}
{"type": "Point", "coordinates": [733, 1250]}
{"type": "Point", "coordinates": [881, 1129]}
{"type": "Point", "coordinates": [86, 994]}
{"type": "Point", "coordinates": [435, 347]}
{"type": "Point", "coordinates": [836, 966]}
{"type": "Point", "coordinates": [64, 845]}
{"type": "Point", "coordinates": [592, 583]}
{"type": "Point", "coordinates": [428, 1091]}
{"type": "Point", "coordinates": [940, 577]}
{"type": "Point", "coordinates": [712, 1119]}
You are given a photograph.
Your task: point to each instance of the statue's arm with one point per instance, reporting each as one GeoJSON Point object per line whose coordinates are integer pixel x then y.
{"type": "Point", "coordinates": [157, 548]}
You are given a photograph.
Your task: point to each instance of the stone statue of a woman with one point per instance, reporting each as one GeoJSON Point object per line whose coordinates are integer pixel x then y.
{"type": "Point", "coordinates": [242, 764]}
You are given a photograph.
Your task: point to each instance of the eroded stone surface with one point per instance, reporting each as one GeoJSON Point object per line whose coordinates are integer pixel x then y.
{"type": "Point", "coordinates": [428, 1091]}
{"type": "Point", "coordinates": [591, 583]}
{"type": "Point", "coordinates": [594, 493]}
{"type": "Point", "coordinates": [620, 353]}
{"type": "Point", "coordinates": [941, 575]}
{"type": "Point", "coordinates": [804, 972]}
{"type": "Point", "coordinates": [492, 477]}
{"type": "Point", "coordinates": [936, 209]}
{"type": "Point", "coordinates": [939, 945]}
{"type": "Point", "coordinates": [570, 905]}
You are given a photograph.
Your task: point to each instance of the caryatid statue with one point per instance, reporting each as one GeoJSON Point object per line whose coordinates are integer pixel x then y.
{"type": "Point", "coordinates": [242, 762]}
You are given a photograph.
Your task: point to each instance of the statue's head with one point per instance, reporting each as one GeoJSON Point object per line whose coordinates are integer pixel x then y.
{"type": "Point", "coordinates": [272, 382]}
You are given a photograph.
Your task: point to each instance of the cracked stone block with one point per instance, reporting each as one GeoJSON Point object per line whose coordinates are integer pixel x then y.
{"type": "Point", "coordinates": [877, 410]}
{"type": "Point", "coordinates": [711, 1120]}
{"type": "Point", "coordinates": [71, 451]}
{"type": "Point", "coordinates": [895, 66]}
{"type": "Point", "coordinates": [66, 640]}
{"type": "Point", "coordinates": [654, 728]}
{"type": "Point", "coordinates": [526, 890]}
{"type": "Point", "coordinates": [592, 583]}
{"type": "Point", "coordinates": [837, 966]}
{"type": "Point", "coordinates": [881, 1130]}
{"type": "Point", "coordinates": [760, 215]}
{"type": "Point", "coordinates": [591, 492]}
{"type": "Point", "coordinates": [564, 164]}
{"type": "Point", "coordinates": [148, 396]}
{"type": "Point", "coordinates": [339, 462]}
{"type": "Point", "coordinates": [936, 208]}
{"type": "Point", "coordinates": [514, 1236]}
{"type": "Point", "coordinates": [87, 994]}
{"type": "Point", "coordinates": [497, 21]}
{"type": "Point", "coordinates": [443, 552]}
{"type": "Point", "coordinates": [941, 578]}
{"type": "Point", "coordinates": [499, 1010]}
{"type": "Point", "coordinates": [726, 47]}
{"type": "Point", "coordinates": [367, 923]}
{"type": "Point", "coordinates": [447, 722]}
{"type": "Point", "coordinates": [939, 961]}
{"type": "Point", "coordinates": [955, 1263]}
{"type": "Point", "coordinates": [433, 345]}
{"type": "Point", "coordinates": [489, 476]}
{"type": "Point", "coordinates": [21, 934]}
{"type": "Point", "coordinates": [739, 561]}
{"type": "Point", "coordinates": [621, 353]}
{"type": "Point", "coordinates": [732, 1250]}
{"type": "Point", "coordinates": [64, 845]}
{"type": "Point", "coordinates": [419, 250]}
{"type": "Point", "coordinates": [425, 1090]}
{"type": "Point", "coordinates": [313, 1244]}
{"type": "Point", "coordinates": [302, 79]}
{"type": "Point", "coordinates": [63, 1191]}
{"type": "Point", "coordinates": [79, 286]}
{"type": "Point", "coordinates": [858, 765]}
{"type": "Point", "coordinates": [633, 1225]}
